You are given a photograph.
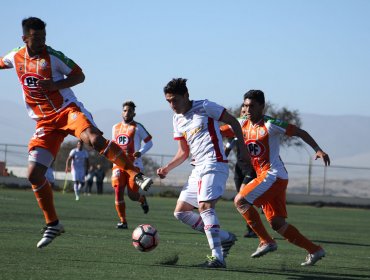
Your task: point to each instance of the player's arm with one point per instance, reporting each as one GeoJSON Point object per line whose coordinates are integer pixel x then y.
{"type": "Point", "coordinates": [74, 78]}
{"type": "Point", "coordinates": [145, 148]}
{"type": "Point", "coordinates": [306, 137]}
{"type": "Point", "coordinates": [235, 125]}
{"type": "Point", "coordinates": [181, 155]}
{"type": "Point", "coordinates": [68, 169]}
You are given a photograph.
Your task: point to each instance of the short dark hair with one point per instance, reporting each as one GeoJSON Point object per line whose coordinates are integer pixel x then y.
{"type": "Point", "coordinates": [255, 94]}
{"type": "Point", "coordinates": [32, 23]}
{"type": "Point", "coordinates": [129, 103]}
{"type": "Point", "coordinates": [176, 86]}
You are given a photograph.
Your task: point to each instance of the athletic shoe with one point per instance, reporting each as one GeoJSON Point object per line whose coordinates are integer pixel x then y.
{"type": "Point", "coordinates": [263, 249]}
{"type": "Point", "coordinates": [49, 233]}
{"type": "Point", "coordinates": [311, 259]}
{"type": "Point", "coordinates": [121, 225]}
{"type": "Point", "coordinates": [250, 234]}
{"type": "Point", "coordinates": [77, 197]}
{"type": "Point", "coordinates": [143, 182]}
{"type": "Point", "coordinates": [228, 243]}
{"type": "Point", "coordinates": [145, 206]}
{"type": "Point", "coordinates": [213, 262]}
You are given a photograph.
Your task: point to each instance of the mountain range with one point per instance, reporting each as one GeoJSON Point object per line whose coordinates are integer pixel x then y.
{"type": "Point", "coordinates": [343, 137]}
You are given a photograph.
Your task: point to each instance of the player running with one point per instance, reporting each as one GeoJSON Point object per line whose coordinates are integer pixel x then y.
{"type": "Point", "coordinates": [78, 159]}
{"type": "Point", "coordinates": [129, 135]}
{"type": "Point", "coordinates": [262, 137]}
{"type": "Point", "coordinates": [197, 131]}
{"type": "Point", "coordinates": [46, 76]}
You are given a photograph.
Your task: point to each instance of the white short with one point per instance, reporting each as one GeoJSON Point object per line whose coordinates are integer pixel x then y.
{"type": "Point", "coordinates": [78, 175]}
{"type": "Point", "coordinates": [206, 182]}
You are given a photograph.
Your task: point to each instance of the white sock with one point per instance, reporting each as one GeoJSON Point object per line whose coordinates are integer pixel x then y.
{"type": "Point", "coordinates": [190, 218]}
{"type": "Point", "coordinates": [212, 230]}
{"type": "Point", "coordinates": [75, 187]}
{"type": "Point", "coordinates": [194, 220]}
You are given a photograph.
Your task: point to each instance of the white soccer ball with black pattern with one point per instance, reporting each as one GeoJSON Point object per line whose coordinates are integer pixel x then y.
{"type": "Point", "coordinates": [145, 238]}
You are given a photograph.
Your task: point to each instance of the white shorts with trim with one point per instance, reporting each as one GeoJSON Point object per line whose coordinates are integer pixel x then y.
{"type": "Point", "coordinates": [206, 182]}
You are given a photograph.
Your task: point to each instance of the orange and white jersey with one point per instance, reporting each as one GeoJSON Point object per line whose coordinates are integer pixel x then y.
{"type": "Point", "coordinates": [129, 137]}
{"type": "Point", "coordinates": [263, 143]}
{"type": "Point", "coordinates": [51, 64]}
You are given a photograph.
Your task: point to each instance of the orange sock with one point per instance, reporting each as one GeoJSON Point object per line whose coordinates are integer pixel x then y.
{"type": "Point", "coordinates": [293, 235]}
{"type": "Point", "coordinates": [44, 197]}
{"type": "Point", "coordinates": [116, 155]}
{"type": "Point", "coordinates": [253, 219]}
{"type": "Point", "coordinates": [121, 211]}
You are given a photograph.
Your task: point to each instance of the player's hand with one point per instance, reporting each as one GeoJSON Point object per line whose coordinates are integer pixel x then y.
{"type": "Point", "coordinates": [137, 154]}
{"type": "Point", "coordinates": [324, 156]}
{"type": "Point", "coordinates": [162, 172]}
{"type": "Point", "coordinates": [47, 85]}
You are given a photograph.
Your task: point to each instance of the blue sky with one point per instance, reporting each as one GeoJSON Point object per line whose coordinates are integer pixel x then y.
{"type": "Point", "coordinates": [313, 56]}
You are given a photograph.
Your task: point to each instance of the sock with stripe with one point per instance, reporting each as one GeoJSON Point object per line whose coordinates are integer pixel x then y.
{"type": "Point", "coordinates": [212, 231]}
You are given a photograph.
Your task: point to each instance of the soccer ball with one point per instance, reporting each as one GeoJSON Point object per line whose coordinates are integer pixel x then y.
{"type": "Point", "coordinates": [145, 238]}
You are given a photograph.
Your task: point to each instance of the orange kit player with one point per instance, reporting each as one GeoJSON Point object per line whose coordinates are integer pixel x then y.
{"type": "Point", "coordinates": [261, 135]}
{"type": "Point", "coordinates": [129, 135]}
{"type": "Point", "coordinates": [46, 76]}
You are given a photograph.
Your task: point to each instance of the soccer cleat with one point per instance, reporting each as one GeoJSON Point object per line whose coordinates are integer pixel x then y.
{"type": "Point", "coordinates": [213, 262]}
{"type": "Point", "coordinates": [49, 233]}
{"type": "Point", "coordinates": [143, 182]}
{"type": "Point", "coordinates": [228, 243]}
{"type": "Point", "coordinates": [145, 206]}
{"type": "Point", "coordinates": [263, 249]}
{"type": "Point", "coordinates": [121, 225]}
{"type": "Point", "coordinates": [311, 259]}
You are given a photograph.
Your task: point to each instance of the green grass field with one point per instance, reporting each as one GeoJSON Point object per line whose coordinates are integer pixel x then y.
{"type": "Point", "coordinates": [92, 248]}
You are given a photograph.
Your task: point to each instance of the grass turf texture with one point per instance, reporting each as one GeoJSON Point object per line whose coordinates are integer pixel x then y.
{"type": "Point", "coordinates": [92, 248]}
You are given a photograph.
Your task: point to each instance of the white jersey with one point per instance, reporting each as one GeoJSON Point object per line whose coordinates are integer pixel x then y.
{"type": "Point", "coordinates": [199, 127]}
{"type": "Point", "coordinates": [78, 159]}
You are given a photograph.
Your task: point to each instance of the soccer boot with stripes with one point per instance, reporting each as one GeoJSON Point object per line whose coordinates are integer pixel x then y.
{"type": "Point", "coordinates": [49, 233]}
{"type": "Point", "coordinates": [143, 182]}
{"type": "Point", "coordinates": [311, 259]}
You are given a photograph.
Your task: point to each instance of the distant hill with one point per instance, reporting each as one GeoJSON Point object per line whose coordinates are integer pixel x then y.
{"type": "Point", "coordinates": [343, 137]}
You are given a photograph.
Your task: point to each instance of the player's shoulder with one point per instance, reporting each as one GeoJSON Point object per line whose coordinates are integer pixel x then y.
{"type": "Point", "coordinates": [61, 56]}
{"type": "Point", "coordinates": [275, 121]}
{"type": "Point", "coordinates": [16, 50]}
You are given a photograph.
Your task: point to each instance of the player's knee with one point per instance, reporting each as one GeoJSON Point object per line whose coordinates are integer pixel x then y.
{"type": "Point", "coordinates": [178, 215]}
{"type": "Point", "coordinates": [241, 204]}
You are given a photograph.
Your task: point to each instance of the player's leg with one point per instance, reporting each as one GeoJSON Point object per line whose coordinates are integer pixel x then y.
{"type": "Point", "coordinates": [256, 192]}
{"type": "Point", "coordinates": [119, 181]}
{"type": "Point", "coordinates": [115, 154]}
{"type": "Point", "coordinates": [134, 194]}
{"type": "Point", "coordinates": [39, 161]}
{"type": "Point", "coordinates": [81, 125]}
{"type": "Point", "coordinates": [275, 212]}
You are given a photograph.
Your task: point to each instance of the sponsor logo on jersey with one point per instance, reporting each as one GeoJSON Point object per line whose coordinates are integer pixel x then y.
{"type": "Point", "coordinates": [29, 81]}
{"type": "Point", "coordinates": [123, 139]}
{"type": "Point", "coordinates": [255, 148]}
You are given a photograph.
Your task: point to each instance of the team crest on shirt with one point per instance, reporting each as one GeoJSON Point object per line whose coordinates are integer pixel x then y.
{"type": "Point", "coordinates": [74, 116]}
{"type": "Point", "coordinates": [122, 139]}
{"type": "Point", "coordinates": [261, 132]}
{"type": "Point", "coordinates": [255, 148]}
{"type": "Point", "coordinates": [43, 64]}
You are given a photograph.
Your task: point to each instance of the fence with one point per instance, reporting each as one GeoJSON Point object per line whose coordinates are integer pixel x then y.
{"type": "Point", "coordinates": [311, 179]}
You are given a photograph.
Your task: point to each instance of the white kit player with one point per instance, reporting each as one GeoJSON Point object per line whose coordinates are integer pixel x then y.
{"type": "Point", "coordinates": [79, 159]}
{"type": "Point", "coordinates": [197, 130]}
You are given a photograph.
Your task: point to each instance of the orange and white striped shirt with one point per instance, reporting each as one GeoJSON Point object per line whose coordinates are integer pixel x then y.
{"type": "Point", "coordinates": [51, 64]}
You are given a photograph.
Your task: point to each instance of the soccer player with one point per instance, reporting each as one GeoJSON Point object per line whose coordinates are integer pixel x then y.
{"type": "Point", "coordinates": [129, 135]}
{"type": "Point", "coordinates": [243, 171]}
{"type": "Point", "coordinates": [261, 135]}
{"type": "Point", "coordinates": [196, 128]}
{"type": "Point", "coordinates": [78, 159]}
{"type": "Point", "coordinates": [46, 76]}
